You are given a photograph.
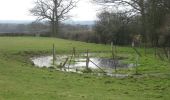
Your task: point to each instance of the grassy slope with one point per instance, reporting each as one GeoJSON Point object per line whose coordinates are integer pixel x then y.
{"type": "Point", "coordinates": [19, 80]}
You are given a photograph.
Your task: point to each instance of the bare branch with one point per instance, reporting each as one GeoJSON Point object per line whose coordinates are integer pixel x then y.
{"type": "Point", "coordinates": [53, 10]}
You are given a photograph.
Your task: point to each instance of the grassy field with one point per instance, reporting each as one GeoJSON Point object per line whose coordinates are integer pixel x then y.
{"type": "Point", "coordinates": [20, 80]}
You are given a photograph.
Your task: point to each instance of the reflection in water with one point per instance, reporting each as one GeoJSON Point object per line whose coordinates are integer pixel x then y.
{"type": "Point", "coordinates": [46, 61]}
{"type": "Point", "coordinates": [80, 63]}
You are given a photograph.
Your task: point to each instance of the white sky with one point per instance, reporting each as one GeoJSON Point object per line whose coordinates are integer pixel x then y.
{"type": "Point", "coordinates": [19, 10]}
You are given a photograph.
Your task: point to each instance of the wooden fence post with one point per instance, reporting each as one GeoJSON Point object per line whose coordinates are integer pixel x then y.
{"type": "Point", "coordinates": [65, 63]}
{"type": "Point", "coordinates": [111, 46]}
{"type": "Point", "coordinates": [54, 56]}
{"type": "Point", "coordinates": [97, 66]}
{"type": "Point", "coordinates": [87, 60]}
{"type": "Point", "coordinates": [74, 51]}
{"type": "Point", "coordinates": [113, 50]}
{"type": "Point", "coordinates": [72, 55]}
{"type": "Point", "coordinates": [168, 54]}
{"type": "Point", "coordinates": [136, 64]}
{"type": "Point", "coordinates": [155, 53]}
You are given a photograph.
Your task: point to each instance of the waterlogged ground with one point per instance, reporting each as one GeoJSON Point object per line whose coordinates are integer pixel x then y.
{"type": "Point", "coordinates": [78, 64]}
{"type": "Point", "coordinates": [20, 80]}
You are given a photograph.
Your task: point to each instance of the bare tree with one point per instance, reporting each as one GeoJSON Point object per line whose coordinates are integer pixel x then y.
{"type": "Point", "coordinates": [152, 14]}
{"type": "Point", "coordinates": [53, 10]}
{"type": "Point", "coordinates": [135, 7]}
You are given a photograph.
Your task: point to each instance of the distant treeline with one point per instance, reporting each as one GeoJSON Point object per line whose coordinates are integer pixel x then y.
{"type": "Point", "coordinates": [24, 34]}
{"type": "Point", "coordinates": [34, 27]}
{"type": "Point", "coordinates": [67, 31]}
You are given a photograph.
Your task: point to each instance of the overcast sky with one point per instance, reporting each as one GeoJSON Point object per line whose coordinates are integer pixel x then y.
{"type": "Point", "coordinates": [19, 10]}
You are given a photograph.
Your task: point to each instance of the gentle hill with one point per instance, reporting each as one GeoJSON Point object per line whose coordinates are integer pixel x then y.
{"type": "Point", "coordinates": [21, 80]}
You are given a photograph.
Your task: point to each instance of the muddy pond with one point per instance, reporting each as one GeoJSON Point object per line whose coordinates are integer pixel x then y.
{"type": "Point", "coordinates": [78, 63]}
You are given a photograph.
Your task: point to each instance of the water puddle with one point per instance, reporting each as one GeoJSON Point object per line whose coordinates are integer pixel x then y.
{"type": "Point", "coordinates": [79, 63]}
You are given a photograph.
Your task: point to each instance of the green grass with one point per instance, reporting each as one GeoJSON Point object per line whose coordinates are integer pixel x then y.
{"type": "Point", "coordinates": [20, 80]}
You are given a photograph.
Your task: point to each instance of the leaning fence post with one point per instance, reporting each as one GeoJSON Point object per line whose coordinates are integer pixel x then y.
{"type": "Point", "coordinates": [73, 54]}
{"type": "Point", "coordinates": [64, 63]}
{"type": "Point", "coordinates": [97, 66]}
{"type": "Point", "coordinates": [74, 51]}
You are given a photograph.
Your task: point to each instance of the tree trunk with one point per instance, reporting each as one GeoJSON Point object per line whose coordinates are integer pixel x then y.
{"type": "Point", "coordinates": [143, 24]}
{"type": "Point", "coordinates": [52, 28]}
